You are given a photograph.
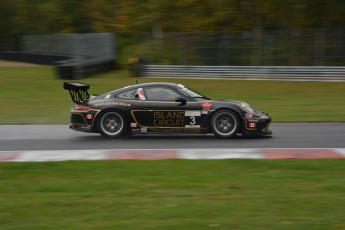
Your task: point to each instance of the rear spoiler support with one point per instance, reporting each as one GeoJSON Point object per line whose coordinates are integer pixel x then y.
{"type": "Point", "coordinates": [78, 91]}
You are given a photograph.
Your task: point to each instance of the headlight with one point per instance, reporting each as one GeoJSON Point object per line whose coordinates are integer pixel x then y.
{"type": "Point", "coordinates": [246, 107]}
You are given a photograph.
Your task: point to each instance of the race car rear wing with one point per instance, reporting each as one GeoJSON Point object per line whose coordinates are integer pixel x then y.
{"type": "Point", "coordinates": [78, 91]}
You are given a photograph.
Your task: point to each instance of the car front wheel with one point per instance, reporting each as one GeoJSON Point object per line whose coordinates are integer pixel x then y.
{"type": "Point", "coordinates": [111, 124]}
{"type": "Point", "coordinates": [224, 124]}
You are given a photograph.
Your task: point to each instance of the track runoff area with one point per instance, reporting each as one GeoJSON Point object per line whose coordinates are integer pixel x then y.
{"type": "Point", "coordinates": [162, 154]}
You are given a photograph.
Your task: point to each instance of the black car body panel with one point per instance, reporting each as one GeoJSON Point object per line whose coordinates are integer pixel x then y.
{"type": "Point", "coordinates": [160, 108]}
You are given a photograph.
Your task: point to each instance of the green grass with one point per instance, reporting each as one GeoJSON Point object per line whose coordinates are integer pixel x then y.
{"type": "Point", "coordinates": [34, 95]}
{"type": "Point", "coordinates": [173, 194]}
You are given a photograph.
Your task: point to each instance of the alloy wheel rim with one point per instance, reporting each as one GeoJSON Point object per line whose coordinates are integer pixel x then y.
{"type": "Point", "coordinates": [112, 124]}
{"type": "Point", "coordinates": [225, 124]}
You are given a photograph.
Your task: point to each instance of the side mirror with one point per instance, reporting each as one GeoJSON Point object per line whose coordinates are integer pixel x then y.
{"type": "Point", "coordinates": [182, 100]}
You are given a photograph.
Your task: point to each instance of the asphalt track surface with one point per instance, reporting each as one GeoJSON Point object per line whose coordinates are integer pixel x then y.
{"type": "Point", "coordinates": [60, 137]}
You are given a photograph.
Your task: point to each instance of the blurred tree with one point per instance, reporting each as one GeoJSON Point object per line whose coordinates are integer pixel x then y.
{"type": "Point", "coordinates": [51, 16]}
{"type": "Point", "coordinates": [129, 18]}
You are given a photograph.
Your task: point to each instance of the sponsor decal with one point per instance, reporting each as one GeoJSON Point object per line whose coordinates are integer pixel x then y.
{"type": "Point", "coordinates": [89, 116]}
{"type": "Point", "coordinates": [108, 96]}
{"type": "Point", "coordinates": [133, 125]}
{"type": "Point", "coordinates": [192, 126]}
{"type": "Point", "coordinates": [169, 130]}
{"type": "Point", "coordinates": [135, 130]}
{"type": "Point", "coordinates": [193, 114]}
{"type": "Point", "coordinates": [168, 118]}
{"type": "Point", "coordinates": [113, 104]}
{"type": "Point", "coordinates": [204, 112]}
{"type": "Point", "coordinates": [206, 105]}
{"type": "Point", "coordinates": [143, 130]}
{"type": "Point", "coordinates": [249, 115]}
{"type": "Point", "coordinates": [251, 125]}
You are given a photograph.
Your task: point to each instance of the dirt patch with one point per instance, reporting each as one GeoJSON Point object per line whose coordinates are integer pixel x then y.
{"type": "Point", "coordinates": [4, 63]}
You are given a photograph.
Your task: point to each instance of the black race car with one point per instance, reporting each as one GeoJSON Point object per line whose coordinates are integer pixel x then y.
{"type": "Point", "coordinates": [161, 108]}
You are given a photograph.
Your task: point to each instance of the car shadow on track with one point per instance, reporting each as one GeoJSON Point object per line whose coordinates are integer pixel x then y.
{"type": "Point", "coordinates": [157, 137]}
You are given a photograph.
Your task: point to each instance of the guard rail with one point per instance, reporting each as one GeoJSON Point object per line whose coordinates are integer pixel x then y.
{"type": "Point", "coordinates": [256, 72]}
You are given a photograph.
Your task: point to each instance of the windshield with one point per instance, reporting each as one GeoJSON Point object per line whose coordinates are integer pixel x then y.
{"type": "Point", "coordinates": [192, 93]}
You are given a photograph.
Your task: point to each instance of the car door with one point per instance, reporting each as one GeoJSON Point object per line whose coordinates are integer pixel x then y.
{"type": "Point", "coordinates": [162, 113]}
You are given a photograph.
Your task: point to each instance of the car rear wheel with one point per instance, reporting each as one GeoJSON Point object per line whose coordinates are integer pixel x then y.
{"type": "Point", "coordinates": [225, 124]}
{"type": "Point", "coordinates": [111, 124]}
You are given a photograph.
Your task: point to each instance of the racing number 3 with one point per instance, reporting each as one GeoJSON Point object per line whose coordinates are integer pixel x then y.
{"type": "Point", "coordinates": [192, 120]}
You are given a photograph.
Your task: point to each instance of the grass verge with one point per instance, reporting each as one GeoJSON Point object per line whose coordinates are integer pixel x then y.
{"type": "Point", "coordinates": [34, 95]}
{"type": "Point", "coordinates": [173, 194]}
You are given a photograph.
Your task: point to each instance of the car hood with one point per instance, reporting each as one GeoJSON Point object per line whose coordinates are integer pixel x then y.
{"type": "Point", "coordinates": [216, 103]}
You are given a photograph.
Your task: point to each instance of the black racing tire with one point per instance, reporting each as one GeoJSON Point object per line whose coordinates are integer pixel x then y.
{"type": "Point", "coordinates": [225, 124]}
{"type": "Point", "coordinates": [112, 124]}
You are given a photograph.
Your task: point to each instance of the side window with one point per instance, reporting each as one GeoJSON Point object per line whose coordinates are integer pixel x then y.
{"type": "Point", "coordinates": [136, 94]}
{"type": "Point", "coordinates": [127, 95]}
{"type": "Point", "coordinates": [160, 94]}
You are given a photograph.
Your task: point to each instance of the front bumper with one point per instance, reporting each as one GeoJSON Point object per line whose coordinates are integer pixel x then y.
{"type": "Point", "coordinates": [257, 126]}
{"type": "Point", "coordinates": [267, 132]}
